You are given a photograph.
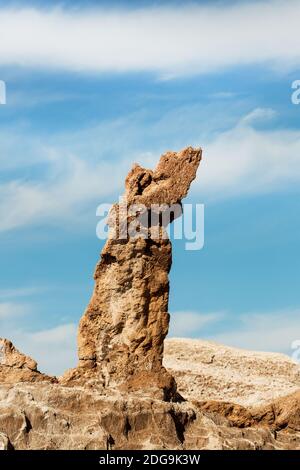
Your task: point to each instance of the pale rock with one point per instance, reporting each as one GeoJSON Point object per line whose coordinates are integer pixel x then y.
{"type": "Point", "coordinates": [121, 395]}
{"type": "Point", "coordinates": [122, 332]}
{"type": "Point", "coordinates": [16, 367]}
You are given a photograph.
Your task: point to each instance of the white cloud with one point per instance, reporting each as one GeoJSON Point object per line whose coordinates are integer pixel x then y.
{"type": "Point", "coordinates": [183, 40]}
{"type": "Point", "coordinates": [67, 183]}
{"type": "Point", "coordinates": [32, 98]}
{"type": "Point", "coordinates": [258, 115]}
{"type": "Point", "coordinates": [10, 310]}
{"type": "Point", "coordinates": [54, 349]}
{"type": "Point", "coordinates": [185, 324]}
{"type": "Point", "coordinates": [247, 160]}
{"type": "Point", "coordinates": [89, 166]}
{"type": "Point", "coordinates": [19, 292]}
{"type": "Point", "coordinates": [264, 331]}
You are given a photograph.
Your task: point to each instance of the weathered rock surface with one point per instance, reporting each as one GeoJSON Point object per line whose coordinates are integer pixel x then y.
{"type": "Point", "coordinates": [16, 367]}
{"type": "Point", "coordinates": [54, 416]}
{"type": "Point", "coordinates": [121, 334]}
{"type": "Point", "coordinates": [205, 370]}
{"type": "Point", "coordinates": [45, 415]}
{"type": "Point", "coordinates": [121, 396]}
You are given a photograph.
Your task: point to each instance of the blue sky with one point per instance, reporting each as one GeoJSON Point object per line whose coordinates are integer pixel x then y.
{"type": "Point", "coordinates": [91, 89]}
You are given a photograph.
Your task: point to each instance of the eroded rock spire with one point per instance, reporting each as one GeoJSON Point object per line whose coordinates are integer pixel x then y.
{"type": "Point", "coordinates": [122, 332]}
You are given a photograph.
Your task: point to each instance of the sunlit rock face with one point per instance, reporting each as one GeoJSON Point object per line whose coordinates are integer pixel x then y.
{"type": "Point", "coordinates": [121, 395]}
{"type": "Point", "coordinates": [17, 367]}
{"type": "Point", "coordinates": [122, 332]}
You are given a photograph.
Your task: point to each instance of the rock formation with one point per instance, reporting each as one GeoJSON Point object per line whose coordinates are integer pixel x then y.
{"type": "Point", "coordinates": [121, 395]}
{"type": "Point", "coordinates": [205, 370]}
{"type": "Point", "coordinates": [122, 332]}
{"type": "Point", "coordinates": [45, 415]}
{"type": "Point", "coordinates": [16, 367]}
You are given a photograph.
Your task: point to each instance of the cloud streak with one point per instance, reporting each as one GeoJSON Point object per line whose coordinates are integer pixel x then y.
{"type": "Point", "coordinates": [275, 331]}
{"type": "Point", "coordinates": [68, 179]}
{"type": "Point", "coordinates": [248, 160]}
{"type": "Point", "coordinates": [10, 310]}
{"type": "Point", "coordinates": [19, 292]}
{"type": "Point", "coordinates": [54, 349]}
{"type": "Point", "coordinates": [75, 172]}
{"type": "Point", "coordinates": [185, 324]}
{"type": "Point", "coordinates": [169, 41]}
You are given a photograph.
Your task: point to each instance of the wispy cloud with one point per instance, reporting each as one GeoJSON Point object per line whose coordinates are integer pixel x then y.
{"type": "Point", "coordinates": [258, 115]}
{"type": "Point", "coordinates": [67, 181]}
{"type": "Point", "coordinates": [263, 331]}
{"type": "Point", "coordinates": [187, 324]}
{"type": "Point", "coordinates": [250, 160]}
{"type": "Point", "coordinates": [10, 310]}
{"type": "Point", "coordinates": [54, 198]}
{"type": "Point", "coordinates": [41, 345]}
{"type": "Point", "coordinates": [170, 41]}
{"type": "Point", "coordinates": [75, 170]}
{"type": "Point", "coordinates": [266, 331]}
{"type": "Point", "coordinates": [54, 349]}
{"type": "Point", "coordinates": [19, 292]}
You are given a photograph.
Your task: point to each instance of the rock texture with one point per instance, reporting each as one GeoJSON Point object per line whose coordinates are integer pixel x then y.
{"type": "Point", "coordinates": [54, 416]}
{"type": "Point", "coordinates": [205, 370]}
{"type": "Point", "coordinates": [16, 367]}
{"type": "Point", "coordinates": [214, 415]}
{"type": "Point", "coordinates": [122, 332]}
{"type": "Point", "coordinates": [121, 396]}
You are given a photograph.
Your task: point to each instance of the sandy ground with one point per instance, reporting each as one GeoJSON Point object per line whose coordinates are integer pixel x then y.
{"type": "Point", "coordinates": [205, 370]}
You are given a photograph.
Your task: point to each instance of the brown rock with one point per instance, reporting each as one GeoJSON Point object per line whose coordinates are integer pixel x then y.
{"type": "Point", "coordinates": [16, 367]}
{"type": "Point", "coordinates": [38, 414]}
{"type": "Point", "coordinates": [208, 371]}
{"type": "Point", "coordinates": [121, 396]}
{"type": "Point", "coordinates": [52, 416]}
{"type": "Point", "coordinates": [4, 442]}
{"type": "Point", "coordinates": [122, 332]}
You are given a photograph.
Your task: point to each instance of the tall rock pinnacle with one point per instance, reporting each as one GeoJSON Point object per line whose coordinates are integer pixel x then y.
{"type": "Point", "coordinates": [122, 332]}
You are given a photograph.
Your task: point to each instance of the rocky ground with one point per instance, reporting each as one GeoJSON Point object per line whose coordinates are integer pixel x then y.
{"type": "Point", "coordinates": [125, 393]}
{"type": "Point", "coordinates": [209, 371]}
{"type": "Point", "coordinates": [233, 399]}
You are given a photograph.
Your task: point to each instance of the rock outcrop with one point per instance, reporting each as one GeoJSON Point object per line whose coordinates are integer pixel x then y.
{"type": "Point", "coordinates": [122, 395]}
{"type": "Point", "coordinates": [16, 367]}
{"type": "Point", "coordinates": [217, 382]}
{"type": "Point", "coordinates": [53, 416]}
{"type": "Point", "coordinates": [121, 334]}
{"type": "Point", "coordinates": [206, 371]}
